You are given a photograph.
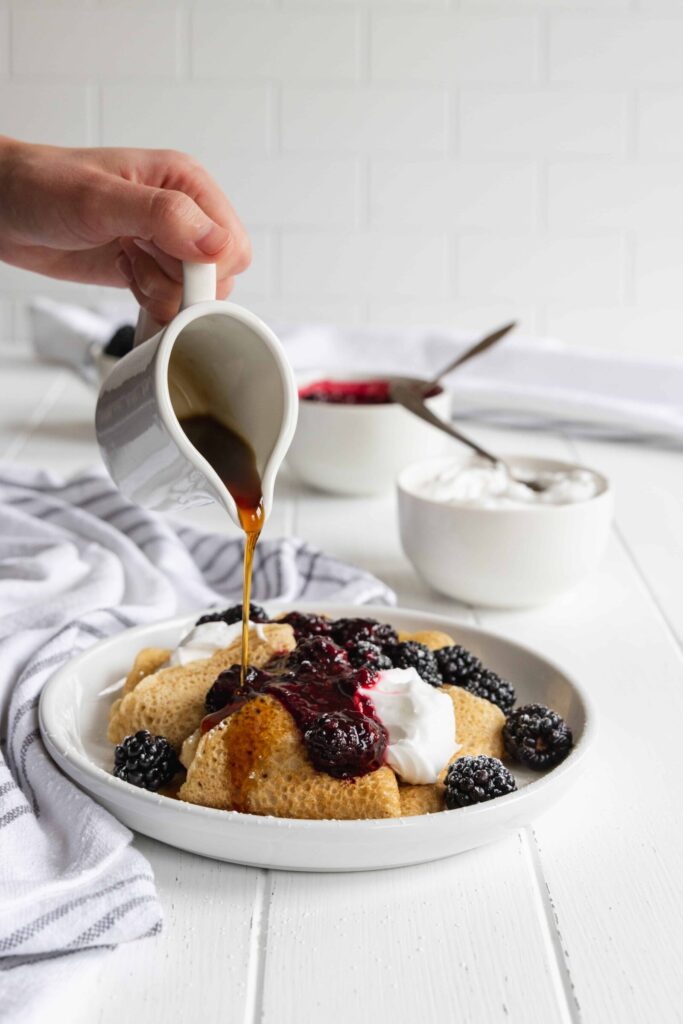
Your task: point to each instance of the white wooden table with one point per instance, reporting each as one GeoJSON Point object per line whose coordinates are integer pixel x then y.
{"type": "Point", "coordinates": [575, 919]}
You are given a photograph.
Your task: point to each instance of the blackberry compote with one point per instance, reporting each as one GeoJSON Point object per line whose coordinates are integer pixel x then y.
{"type": "Point", "coordinates": [321, 690]}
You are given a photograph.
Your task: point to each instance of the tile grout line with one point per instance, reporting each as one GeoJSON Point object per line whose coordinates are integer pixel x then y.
{"type": "Point", "coordinates": [560, 956]}
{"type": "Point", "coordinates": [256, 968]}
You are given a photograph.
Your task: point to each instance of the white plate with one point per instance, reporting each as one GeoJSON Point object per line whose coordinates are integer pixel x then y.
{"type": "Point", "coordinates": [74, 709]}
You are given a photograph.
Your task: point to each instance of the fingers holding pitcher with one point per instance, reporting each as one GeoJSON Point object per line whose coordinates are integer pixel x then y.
{"type": "Point", "coordinates": [156, 279]}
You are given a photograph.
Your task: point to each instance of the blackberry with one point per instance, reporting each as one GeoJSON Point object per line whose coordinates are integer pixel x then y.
{"type": "Point", "coordinates": [363, 654]}
{"type": "Point", "coordinates": [307, 625]}
{"type": "Point", "coordinates": [234, 614]}
{"type": "Point", "coordinates": [319, 652]}
{"type": "Point", "coordinates": [145, 761]}
{"type": "Point", "coordinates": [352, 631]}
{"type": "Point", "coordinates": [412, 654]}
{"type": "Point", "coordinates": [121, 342]}
{"type": "Point", "coordinates": [457, 664]}
{"type": "Point", "coordinates": [473, 780]}
{"type": "Point", "coordinates": [227, 687]}
{"type": "Point", "coordinates": [491, 687]}
{"type": "Point", "coordinates": [537, 736]}
{"type": "Point", "coordinates": [346, 744]}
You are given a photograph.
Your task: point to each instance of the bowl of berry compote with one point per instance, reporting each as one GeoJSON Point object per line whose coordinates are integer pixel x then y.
{"type": "Point", "coordinates": [352, 438]}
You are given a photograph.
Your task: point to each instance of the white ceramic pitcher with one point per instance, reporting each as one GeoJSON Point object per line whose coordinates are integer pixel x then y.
{"type": "Point", "coordinates": [239, 369]}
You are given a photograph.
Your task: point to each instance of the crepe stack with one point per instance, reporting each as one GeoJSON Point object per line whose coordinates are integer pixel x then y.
{"type": "Point", "coordinates": [255, 761]}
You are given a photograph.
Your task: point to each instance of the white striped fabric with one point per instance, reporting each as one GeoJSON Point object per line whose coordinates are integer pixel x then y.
{"type": "Point", "coordinates": [79, 563]}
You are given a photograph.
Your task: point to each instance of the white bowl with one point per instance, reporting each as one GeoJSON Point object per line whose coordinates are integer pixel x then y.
{"type": "Point", "coordinates": [360, 449]}
{"type": "Point", "coordinates": [502, 557]}
{"type": "Point", "coordinates": [74, 708]}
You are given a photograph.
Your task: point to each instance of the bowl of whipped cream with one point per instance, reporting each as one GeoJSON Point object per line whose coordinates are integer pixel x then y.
{"type": "Point", "coordinates": [475, 533]}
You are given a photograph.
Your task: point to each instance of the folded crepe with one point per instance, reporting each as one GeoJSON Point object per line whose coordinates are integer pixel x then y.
{"type": "Point", "coordinates": [170, 701]}
{"type": "Point", "coordinates": [478, 729]}
{"type": "Point", "coordinates": [255, 761]}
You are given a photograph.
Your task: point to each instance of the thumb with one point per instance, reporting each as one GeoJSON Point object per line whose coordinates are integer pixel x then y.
{"type": "Point", "coordinates": [170, 219]}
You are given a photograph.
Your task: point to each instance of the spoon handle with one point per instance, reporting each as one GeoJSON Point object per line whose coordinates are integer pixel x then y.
{"type": "Point", "coordinates": [476, 350]}
{"type": "Point", "coordinates": [415, 405]}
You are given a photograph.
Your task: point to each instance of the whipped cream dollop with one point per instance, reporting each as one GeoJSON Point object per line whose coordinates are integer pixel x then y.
{"type": "Point", "coordinates": [420, 722]}
{"type": "Point", "coordinates": [484, 485]}
{"type": "Point", "coordinates": [203, 641]}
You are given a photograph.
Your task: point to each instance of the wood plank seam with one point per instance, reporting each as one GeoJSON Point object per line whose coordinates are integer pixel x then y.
{"type": "Point", "coordinates": [559, 956]}
{"type": "Point", "coordinates": [640, 572]}
{"type": "Point", "coordinates": [645, 583]}
{"type": "Point", "coordinates": [290, 515]}
{"type": "Point", "coordinates": [293, 516]}
{"type": "Point", "coordinates": [560, 953]}
{"type": "Point", "coordinates": [42, 409]}
{"type": "Point", "coordinates": [258, 941]}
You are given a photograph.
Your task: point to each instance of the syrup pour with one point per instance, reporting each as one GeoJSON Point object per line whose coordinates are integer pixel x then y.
{"type": "Point", "coordinates": [234, 460]}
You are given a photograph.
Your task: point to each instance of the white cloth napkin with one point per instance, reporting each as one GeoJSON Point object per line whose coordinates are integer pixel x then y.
{"type": "Point", "coordinates": [78, 563]}
{"type": "Point", "coordinates": [526, 382]}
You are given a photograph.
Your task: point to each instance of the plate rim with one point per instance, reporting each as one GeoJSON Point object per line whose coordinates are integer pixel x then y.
{"type": "Point", "coordinates": [67, 757]}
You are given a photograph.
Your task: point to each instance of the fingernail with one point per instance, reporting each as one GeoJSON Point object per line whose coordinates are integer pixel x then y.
{"type": "Point", "coordinates": [146, 246]}
{"type": "Point", "coordinates": [124, 268]}
{"type": "Point", "coordinates": [214, 240]}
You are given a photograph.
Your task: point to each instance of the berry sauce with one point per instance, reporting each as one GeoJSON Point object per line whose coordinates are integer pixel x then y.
{"type": "Point", "coordinates": [325, 693]}
{"type": "Point", "coordinates": [351, 392]}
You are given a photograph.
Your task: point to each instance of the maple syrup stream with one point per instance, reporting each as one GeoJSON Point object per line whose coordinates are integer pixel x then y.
{"type": "Point", "coordinates": [233, 459]}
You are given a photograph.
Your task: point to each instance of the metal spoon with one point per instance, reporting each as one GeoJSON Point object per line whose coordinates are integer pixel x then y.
{"type": "Point", "coordinates": [411, 395]}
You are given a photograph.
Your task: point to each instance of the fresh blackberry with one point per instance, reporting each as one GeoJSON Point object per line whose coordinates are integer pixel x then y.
{"type": "Point", "coordinates": [319, 652]}
{"type": "Point", "coordinates": [457, 664]}
{"type": "Point", "coordinates": [411, 654]}
{"type": "Point", "coordinates": [473, 780]}
{"type": "Point", "coordinates": [363, 654]}
{"type": "Point", "coordinates": [346, 744]}
{"type": "Point", "coordinates": [352, 631]}
{"type": "Point", "coordinates": [537, 736]}
{"type": "Point", "coordinates": [228, 686]}
{"type": "Point", "coordinates": [145, 761]}
{"type": "Point", "coordinates": [234, 614]}
{"type": "Point", "coordinates": [490, 686]}
{"type": "Point", "coordinates": [307, 625]}
{"type": "Point", "coordinates": [121, 342]}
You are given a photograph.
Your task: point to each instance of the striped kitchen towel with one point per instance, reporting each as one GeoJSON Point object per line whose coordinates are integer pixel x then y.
{"type": "Point", "coordinates": [79, 563]}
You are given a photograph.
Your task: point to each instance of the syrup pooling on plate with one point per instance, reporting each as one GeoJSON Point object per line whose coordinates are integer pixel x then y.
{"type": "Point", "coordinates": [234, 460]}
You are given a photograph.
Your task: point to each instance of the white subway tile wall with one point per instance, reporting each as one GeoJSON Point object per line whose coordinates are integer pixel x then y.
{"type": "Point", "coordinates": [445, 162]}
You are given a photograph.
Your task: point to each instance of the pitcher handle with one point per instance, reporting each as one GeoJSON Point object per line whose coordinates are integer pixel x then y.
{"type": "Point", "coordinates": [199, 285]}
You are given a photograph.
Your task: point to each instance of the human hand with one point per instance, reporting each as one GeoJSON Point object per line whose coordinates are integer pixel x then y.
{"type": "Point", "coordinates": [122, 217]}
